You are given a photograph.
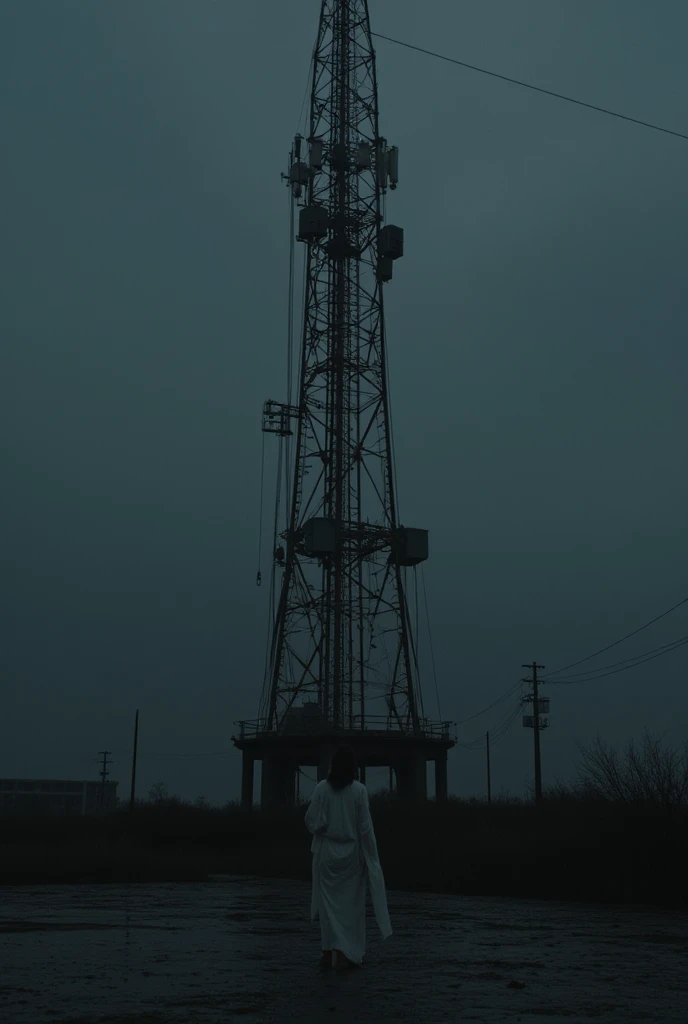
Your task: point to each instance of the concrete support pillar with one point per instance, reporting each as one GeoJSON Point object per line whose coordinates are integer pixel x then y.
{"type": "Point", "coordinates": [278, 783]}
{"type": "Point", "coordinates": [247, 773]}
{"type": "Point", "coordinates": [267, 783]}
{"type": "Point", "coordinates": [403, 779]}
{"type": "Point", "coordinates": [289, 785]}
{"type": "Point", "coordinates": [441, 790]}
{"type": "Point", "coordinates": [420, 776]}
{"type": "Point", "coordinates": [411, 776]}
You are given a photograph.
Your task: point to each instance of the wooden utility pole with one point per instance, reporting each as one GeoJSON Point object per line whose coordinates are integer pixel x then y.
{"type": "Point", "coordinates": [489, 787]}
{"type": "Point", "coordinates": [103, 776]}
{"type": "Point", "coordinates": [133, 764]}
{"type": "Point", "coordinates": [536, 729]}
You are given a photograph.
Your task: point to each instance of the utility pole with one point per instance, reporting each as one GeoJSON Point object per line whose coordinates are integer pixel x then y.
{"type": "Point", "coordinates": [489, 787]}
{"type": "Point", "coordinates": [133, 764]}
{"type": "Point", "coordinates": [103, 775]}
{"type": "Point", "coordinates": [536, 728]}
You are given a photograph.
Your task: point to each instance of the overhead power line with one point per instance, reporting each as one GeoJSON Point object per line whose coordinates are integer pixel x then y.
{"type": "Point", "coordinates": [500, 700]}
{"type": "Point", "coordinates": [616, 642]}
{"type": "Point", "coordinates": [641, 661]}
{"type": "Point", "coordinates": [497, 731]}
{"type": "Point", "coordinates": [504, 729]}
{"type": "Point", "coordinates": [180, 755]}
{"type": "Point", "coordinates": [534, 88]}
{"type": "Point", "coordinates": [625, 661]}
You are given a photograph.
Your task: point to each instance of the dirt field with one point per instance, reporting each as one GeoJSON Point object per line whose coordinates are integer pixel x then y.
{"type": "Point", "coordinates": [242, 949]}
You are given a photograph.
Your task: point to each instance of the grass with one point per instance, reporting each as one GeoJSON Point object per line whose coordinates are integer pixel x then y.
{"type": "Point", "coordinates": [570, 848]}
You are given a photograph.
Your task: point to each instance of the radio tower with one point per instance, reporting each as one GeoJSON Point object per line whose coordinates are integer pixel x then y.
{"type": "Point", "coordinates": [341, 625]}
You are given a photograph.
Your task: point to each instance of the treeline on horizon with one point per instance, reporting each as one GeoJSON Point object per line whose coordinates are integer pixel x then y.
{"type": "Point", "coordinates": [619, 834]}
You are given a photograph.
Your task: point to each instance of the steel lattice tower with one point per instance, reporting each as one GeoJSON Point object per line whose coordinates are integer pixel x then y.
{"type": "Point", "coordinates": [342, 630]}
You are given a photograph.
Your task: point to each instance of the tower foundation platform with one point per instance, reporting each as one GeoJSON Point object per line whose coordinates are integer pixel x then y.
{"type": "Point", "coordinates": [282, 754]}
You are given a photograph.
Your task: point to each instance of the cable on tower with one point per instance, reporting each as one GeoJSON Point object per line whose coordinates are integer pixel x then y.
{"type": "Point", "coordinates": [290, 346]}
{"type": "Point", "coordinates": [432, 651]}
{"type": "Point", "coordinates": [534, 88]}
{"type": "Point", "coordinates": [259, 575]}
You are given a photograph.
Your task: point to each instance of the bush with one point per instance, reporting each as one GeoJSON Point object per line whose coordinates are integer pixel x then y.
{"type": "Point", "coordinates": [646, 777]}
{"type": "Point", "coordinates": [588, 842]}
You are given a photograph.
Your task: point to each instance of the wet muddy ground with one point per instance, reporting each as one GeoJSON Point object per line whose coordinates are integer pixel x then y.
{"type": "Point", "coordinates": [243, 950]}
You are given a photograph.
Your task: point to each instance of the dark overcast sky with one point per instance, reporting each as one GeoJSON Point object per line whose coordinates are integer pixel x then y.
{"type": "Point", "coordinates": [537, 337]}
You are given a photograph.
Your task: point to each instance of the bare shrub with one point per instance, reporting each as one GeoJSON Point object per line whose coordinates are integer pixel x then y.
{"type": "Point", "coordinates": [648, 775]}
{"type": "Point", "coordinates": [158, 793]}
{"type": "Point", "coordinates": [159, 796]}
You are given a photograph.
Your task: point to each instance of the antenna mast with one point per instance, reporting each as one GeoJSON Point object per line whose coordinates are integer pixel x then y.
{"type": "Point", "coordinates": [341, 622]}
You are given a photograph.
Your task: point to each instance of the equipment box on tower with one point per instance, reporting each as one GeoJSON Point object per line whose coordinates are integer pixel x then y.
{"type": "Point", "coordinates": [319, 537]}
{"type": "Point", "coordinates": [391, 242]}
{"type": "Point", "coordinates": [412, 546]}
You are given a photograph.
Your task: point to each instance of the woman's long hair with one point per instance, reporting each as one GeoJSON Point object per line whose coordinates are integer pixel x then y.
{"type": "Point", "coordinates": [344, 767]}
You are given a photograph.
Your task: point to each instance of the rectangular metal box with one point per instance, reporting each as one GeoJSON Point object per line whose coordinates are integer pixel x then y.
{"type": "Point", "coordinates": [391, 242]}
{"type": "Point", "coordinates": [313, 223]}
{"type": "Point", "coordinates": [412, 546]}
{"type": "Point", "coordinates": [385, 268]}
{"type": "Point", "coordinates": [319, 537]}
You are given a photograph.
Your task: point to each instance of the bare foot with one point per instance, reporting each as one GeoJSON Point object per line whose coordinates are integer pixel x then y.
{"type": "Point", "coordinates": [341, 961]}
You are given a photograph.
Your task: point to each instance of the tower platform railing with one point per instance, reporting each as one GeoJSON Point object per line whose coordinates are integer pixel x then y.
{"type": "Point", "coordinates": [382, 725]}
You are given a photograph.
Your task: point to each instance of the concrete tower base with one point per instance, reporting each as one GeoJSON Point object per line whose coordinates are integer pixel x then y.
{"type": "Point", "coordinates": [282, 756]}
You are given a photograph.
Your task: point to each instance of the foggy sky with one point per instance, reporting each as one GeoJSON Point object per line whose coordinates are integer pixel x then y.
{"type": "Point", "coordinates": [537, 344]}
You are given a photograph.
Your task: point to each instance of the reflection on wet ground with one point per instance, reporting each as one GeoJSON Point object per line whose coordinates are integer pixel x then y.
{"type": "Point", "coordinates": [243, 949]}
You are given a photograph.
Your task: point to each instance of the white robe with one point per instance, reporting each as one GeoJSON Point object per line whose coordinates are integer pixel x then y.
{"type": "Point", "coordinates": [345, 859]}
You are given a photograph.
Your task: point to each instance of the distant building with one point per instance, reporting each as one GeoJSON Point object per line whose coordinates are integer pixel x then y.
{"type": "Point", "coordinates": [58, 797]}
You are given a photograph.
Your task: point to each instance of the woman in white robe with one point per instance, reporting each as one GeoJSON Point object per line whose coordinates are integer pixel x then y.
{"type": "Point", "coordinates": [345, 863]}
